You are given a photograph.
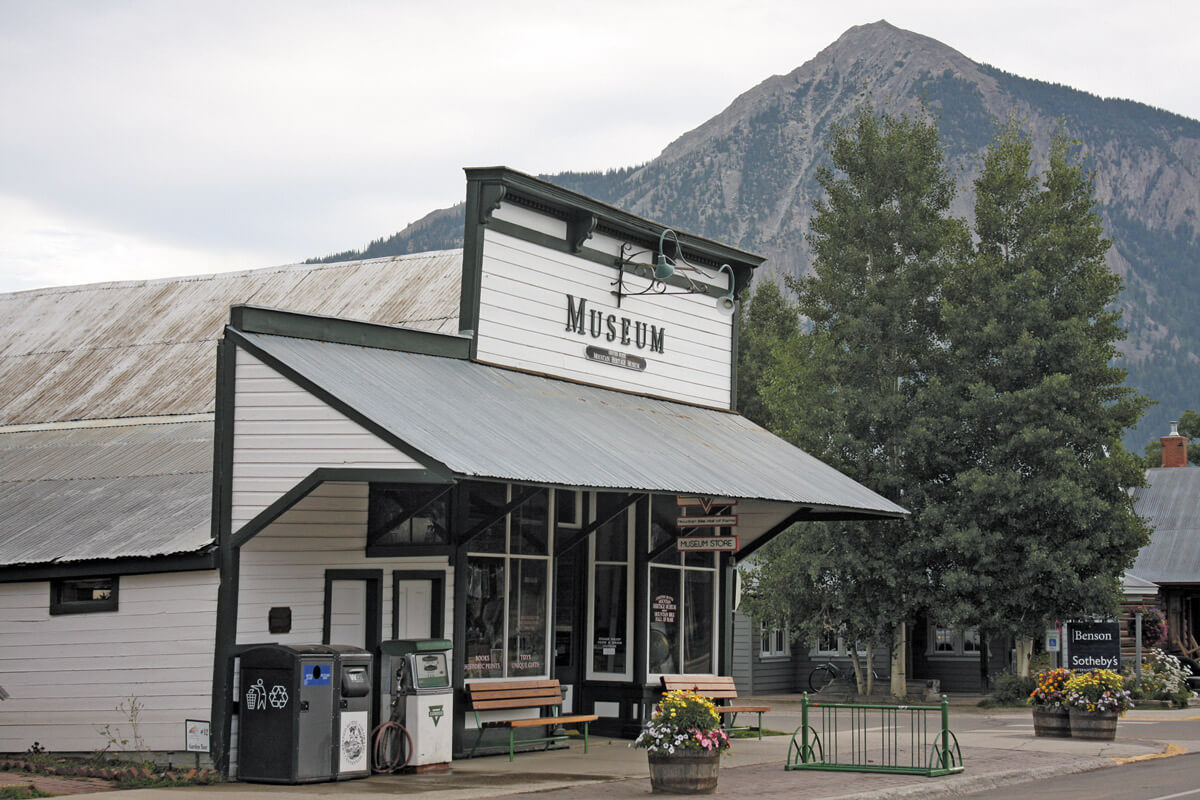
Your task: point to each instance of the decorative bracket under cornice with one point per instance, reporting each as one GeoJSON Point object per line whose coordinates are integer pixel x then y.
{"type": "Point", "coordinates": [490, 197]}
{"type": "Point", "coordinates": [579, 229]}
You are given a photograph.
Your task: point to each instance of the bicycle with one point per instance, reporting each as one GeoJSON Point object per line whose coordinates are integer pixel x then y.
{"type": "Point", "coordinates": [825, 675]}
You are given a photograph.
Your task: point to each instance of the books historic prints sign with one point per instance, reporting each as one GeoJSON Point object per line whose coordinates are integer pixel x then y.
{"type": "Point", "coordinates": [1093, 645]}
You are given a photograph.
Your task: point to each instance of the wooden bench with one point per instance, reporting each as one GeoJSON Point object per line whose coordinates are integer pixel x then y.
{"type": "Point", "coordinates": [723, 691]}
{"type": "Point", "coordinates": [538, 694]}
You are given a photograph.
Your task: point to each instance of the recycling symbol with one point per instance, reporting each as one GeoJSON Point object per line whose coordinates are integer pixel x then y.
{"type": "Point", "coordinates": [278, 696]}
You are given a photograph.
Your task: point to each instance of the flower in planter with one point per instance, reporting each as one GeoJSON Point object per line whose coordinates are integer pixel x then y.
{"type": "Point", "coordinates": [1098, 690]}
{"type": "Point", "coordinates": [684, 721]}
{"type": "Point", "coordinates": [1049, 689]}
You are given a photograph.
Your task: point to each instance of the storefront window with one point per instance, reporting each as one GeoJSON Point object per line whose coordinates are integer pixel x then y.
{"type": "Point", "coordinates": [507, 587]}
{"type": "Point", "coordinates": [610, 618]}
{"type": "Point", "coordinates": [485, 618]}
{"type": "Point", "coordinates": [527, 618]}
{"type": "Point", "coordinates": [682, 600]}
{"type": "Point", "coordinates": [407, 515]}
{"type": "Point", "coordinates": [664, 620]}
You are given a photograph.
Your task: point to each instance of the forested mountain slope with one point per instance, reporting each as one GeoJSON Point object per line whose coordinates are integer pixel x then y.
{"type": "Point", "coordinates": [748, 177]}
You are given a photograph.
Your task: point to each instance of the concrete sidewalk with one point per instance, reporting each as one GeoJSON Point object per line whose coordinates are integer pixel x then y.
{"type": "Point", "coordinates": [998, 748]}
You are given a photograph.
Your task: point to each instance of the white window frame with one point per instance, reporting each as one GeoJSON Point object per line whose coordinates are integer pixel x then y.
{"type": "Point", "coordinates": [507, 556]}
{"type": "Point", "coordinates": [630, 565]}
{"type": "Point", "coordinates": [772, 635]}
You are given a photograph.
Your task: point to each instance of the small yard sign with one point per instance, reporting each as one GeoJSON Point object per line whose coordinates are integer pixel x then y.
{"type": "Point", "coordinates": [196, 735]}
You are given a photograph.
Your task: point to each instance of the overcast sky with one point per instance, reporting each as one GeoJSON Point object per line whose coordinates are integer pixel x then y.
{"type": "Point", "coordinates": [147, 139]}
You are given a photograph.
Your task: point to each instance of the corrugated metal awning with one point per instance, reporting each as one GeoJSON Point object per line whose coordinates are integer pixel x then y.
{"type": "Point", "coordinates": [117, 491]}
{"type": "Point", "coordinates": [1171, 505]}
{"type": "Point", "coordinates": [487, 422]}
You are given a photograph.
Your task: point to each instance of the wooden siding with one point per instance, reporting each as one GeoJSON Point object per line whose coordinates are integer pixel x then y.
{"type": "Point", "coordinates": [743, 639]}
{"type": "Point", "coordinates": [282, 433]}
{"type": "Point", "coordinates": [66, 674]}
{"type": "Point", "coordinates": [523, 314]}
{"type": "Point", "coordinates": [285, 565]}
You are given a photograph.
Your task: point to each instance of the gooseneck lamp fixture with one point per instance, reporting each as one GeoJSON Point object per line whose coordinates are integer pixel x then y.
{"type": "Point", "coordinates": [665, 267]}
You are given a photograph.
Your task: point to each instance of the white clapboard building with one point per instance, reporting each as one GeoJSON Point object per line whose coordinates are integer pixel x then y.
{"type": "Point", "coordinates": [529, 447]}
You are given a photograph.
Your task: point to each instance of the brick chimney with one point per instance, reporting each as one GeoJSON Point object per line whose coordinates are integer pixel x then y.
{"type": "Point", "coordinates": [1174, 447]}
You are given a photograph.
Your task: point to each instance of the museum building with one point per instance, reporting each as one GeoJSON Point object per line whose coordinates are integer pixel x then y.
{"type": "Point", "coordinates": [529, 447]}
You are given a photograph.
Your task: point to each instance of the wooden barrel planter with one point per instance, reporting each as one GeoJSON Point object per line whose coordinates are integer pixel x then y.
{"type": "Point", "coordinates": [684, 772]}
{"type": "Point", "coordinates": [1095, 725]}
{"type": "Point", "coordinates": [1053, 722]}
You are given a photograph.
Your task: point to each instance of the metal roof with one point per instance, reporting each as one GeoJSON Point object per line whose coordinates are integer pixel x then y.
{"type": "Point", "coordinates": [484, 421]}
{"type": "Point", "coordinates": [1171, 504]}
{"type": "Point", "coordinates": [85, 493]}
{"type": "Point", "coordinates": [148, 348]}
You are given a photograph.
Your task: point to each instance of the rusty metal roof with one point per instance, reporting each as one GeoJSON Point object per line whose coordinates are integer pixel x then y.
{"type": "Point", "coordinates": [148, 348]}
{"type": "Point", "coordinates": [1171, 504]}
{"type": "Point", "coordinates": [484, 421]}
{"type": "Point", "coordinates": [85, 493]}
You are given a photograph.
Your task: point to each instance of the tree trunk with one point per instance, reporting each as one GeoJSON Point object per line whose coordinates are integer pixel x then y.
{"type": "Point", "coordinates": [899, 685]}
{"type": "Point", "coordinates": [1024, 655]}
{"type": "Point", "coordinates": [869, 673]}
{"type": "Point", "coordinates": [856, 662]}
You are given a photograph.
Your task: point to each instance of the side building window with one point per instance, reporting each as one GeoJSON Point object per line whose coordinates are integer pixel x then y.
{"type": "Point", "coordinates": [83, 595]}
{"type": "Point", "coordinates": [508, 585]}
{"type": "Point", "coordinates": [773, 642]}
{"type": "Point", "coordinates": [947, 640]}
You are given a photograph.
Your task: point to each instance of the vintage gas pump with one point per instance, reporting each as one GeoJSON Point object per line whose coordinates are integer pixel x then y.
{"type": "Point", "coordinates": [422, 700]}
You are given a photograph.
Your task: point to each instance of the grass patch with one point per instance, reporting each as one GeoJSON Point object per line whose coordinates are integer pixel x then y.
{"type": "Point", "coordinates": [21, 792]}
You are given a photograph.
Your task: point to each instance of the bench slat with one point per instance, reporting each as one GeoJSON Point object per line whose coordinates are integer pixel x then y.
{"type": "Point", "coordinates": [515, 702]}
{"type": "Point", "coordinates": [508, 693]}
{"type": "Point", "coordinates": [529, 723]}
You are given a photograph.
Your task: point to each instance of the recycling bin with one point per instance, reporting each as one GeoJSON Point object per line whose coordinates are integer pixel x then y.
{"type": "Point", "coordinates": [285, 730]}
{"type": "Point", "coordinates": [352, 713]}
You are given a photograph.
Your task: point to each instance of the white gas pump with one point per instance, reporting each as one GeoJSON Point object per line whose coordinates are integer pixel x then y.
{"type": "Point", "coordinates": [422, 699]}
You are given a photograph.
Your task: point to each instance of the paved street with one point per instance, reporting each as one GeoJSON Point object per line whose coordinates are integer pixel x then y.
{"type": "Point", "coordinates": [999, 750]}
{"type": "Point", "coordinates": [1161, 779]}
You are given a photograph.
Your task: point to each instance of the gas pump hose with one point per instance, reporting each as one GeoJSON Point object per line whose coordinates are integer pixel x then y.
{"type": "Point", "coordinates": [390, 752]}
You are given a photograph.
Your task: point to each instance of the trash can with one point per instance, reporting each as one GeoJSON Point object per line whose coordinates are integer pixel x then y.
{"type": "Point", "coordinates": [352, 713]}
{"type": "Point", "coordinates": [419, 679]}
{"type": "Point", "coordinates": [284, 722]}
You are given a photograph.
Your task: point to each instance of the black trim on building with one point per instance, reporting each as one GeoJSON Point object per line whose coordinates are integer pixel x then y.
{"type": "Point", "coordinates": [225, 643]}
{"type": "Point", "coordinates": [258, 319]}
{"type": "Point", "coordinates": [437, 600]}
{"type": "Point", "coordinates": [188, 562]}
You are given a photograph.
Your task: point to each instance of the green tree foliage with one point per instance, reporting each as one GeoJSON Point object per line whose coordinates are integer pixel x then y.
{"type": "Point", "coordinates": [971, 383]}
{"type": "Point", "coordinates": [847, 391]}
{"type": "Point", "coordinates": [766, 323]}
{"type": "Point", "coordinates": [1029, 491]}
{"type": "Point", "coordinates": [1189, 426]}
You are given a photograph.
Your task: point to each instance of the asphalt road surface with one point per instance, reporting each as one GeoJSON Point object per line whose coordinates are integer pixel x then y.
{"type": "Point", "coordinates": [1175, 778]}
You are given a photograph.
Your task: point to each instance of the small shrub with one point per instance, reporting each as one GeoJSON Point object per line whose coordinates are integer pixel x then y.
{"type": "Point", "coordinates": [1012, 689]}
{"type": "Point", "coordinates": [21, 792]}
{"type": "Point", "coordinates": [1163, 678]}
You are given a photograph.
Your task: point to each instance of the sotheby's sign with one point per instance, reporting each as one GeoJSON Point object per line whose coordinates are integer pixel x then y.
{"type": "Point", "coordinates": [1093, 645]}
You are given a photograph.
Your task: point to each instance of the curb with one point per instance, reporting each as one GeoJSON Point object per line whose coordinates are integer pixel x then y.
{"type": "Point", "coordinates": [960, 785]}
